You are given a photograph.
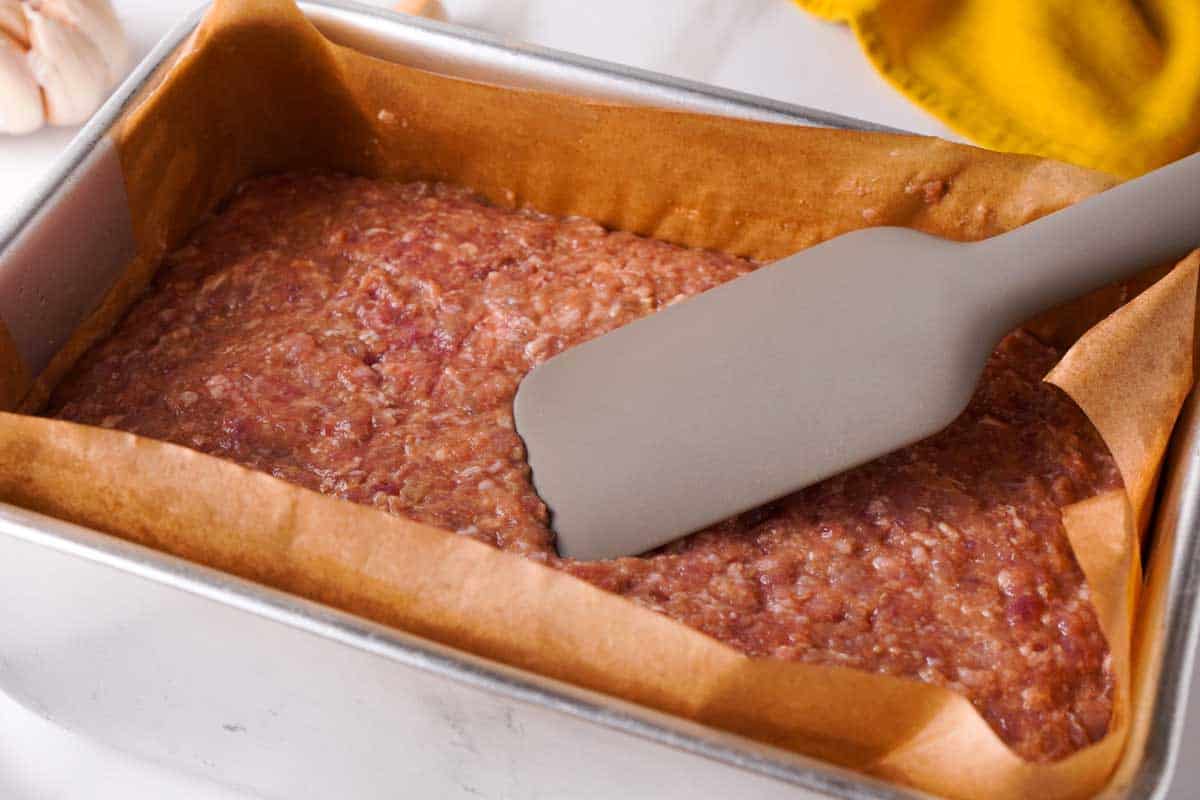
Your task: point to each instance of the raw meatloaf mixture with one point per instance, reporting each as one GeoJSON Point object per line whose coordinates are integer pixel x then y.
{"type": "Point", "coordinates": [365, 339]}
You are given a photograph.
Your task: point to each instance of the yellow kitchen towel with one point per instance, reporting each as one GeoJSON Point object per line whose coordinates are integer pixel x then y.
{"type": "Point", "coordinates": [1108, 84]}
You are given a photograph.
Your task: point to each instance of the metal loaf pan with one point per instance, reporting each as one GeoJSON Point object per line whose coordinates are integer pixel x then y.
{"type": "Point", "coordinates": [286, 698]}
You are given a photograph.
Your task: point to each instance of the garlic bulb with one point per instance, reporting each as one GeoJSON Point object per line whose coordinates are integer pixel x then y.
{"type": "Point", "coordinates": [58, 60]}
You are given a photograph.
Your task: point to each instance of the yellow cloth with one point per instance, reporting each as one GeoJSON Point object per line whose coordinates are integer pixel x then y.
{"type": "Point", "coordinates": [1108, 84]}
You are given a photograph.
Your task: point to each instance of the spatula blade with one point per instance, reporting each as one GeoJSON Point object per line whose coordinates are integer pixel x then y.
{"type": "Point", "coordinates": [683, 418]}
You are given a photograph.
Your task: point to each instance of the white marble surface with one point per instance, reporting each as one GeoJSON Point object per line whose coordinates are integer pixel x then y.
{"type": "Point", "coordinates": [762, 46]}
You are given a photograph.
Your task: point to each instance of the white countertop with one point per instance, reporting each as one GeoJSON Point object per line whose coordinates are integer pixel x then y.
{"type": "Point", "coordinates": [766, 47]}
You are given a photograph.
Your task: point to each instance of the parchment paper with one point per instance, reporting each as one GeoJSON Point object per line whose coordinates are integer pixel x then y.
{"type": "Point", "coordinates": [260, 90]}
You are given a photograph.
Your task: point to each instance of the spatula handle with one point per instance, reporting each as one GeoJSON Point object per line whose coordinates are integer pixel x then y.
{"type": "Point", "coordinates": [1149, 220]}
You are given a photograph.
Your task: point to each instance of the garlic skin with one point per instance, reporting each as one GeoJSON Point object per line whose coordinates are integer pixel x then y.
{"type": "Point", "coordinates": [97, 21]}
{"type": "Point", "coordinates": [21, 108]}
{"type": "Point", "coordinates": [68, 66]}
{"type": "Point", "coordinates": [12, 22]}
{"type": "Point", "coordinates": [58, 60]}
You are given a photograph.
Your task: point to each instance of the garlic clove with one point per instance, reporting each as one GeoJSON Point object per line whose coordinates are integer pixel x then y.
{"type": "Point", "coordinates": [21, 111]}
{"type": "Point", "coordinates": [69, 67]}
{"type": "Point", "coordinates": [63, 54]}
{"type": "Point", "coordinates": [98, 21]}
{"type": "Point", "coordinates": [12, 22]}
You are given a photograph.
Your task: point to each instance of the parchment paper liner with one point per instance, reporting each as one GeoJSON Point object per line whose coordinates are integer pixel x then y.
{"type": "Point", "coordinates": [260, 90]}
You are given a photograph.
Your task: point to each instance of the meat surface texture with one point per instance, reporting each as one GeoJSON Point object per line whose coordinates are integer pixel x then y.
{"type": "Point", "coordinates": [365, 339]}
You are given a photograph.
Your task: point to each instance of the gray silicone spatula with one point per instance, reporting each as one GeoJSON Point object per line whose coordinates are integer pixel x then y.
{"type": "Point", "coordinates": [809, 366]}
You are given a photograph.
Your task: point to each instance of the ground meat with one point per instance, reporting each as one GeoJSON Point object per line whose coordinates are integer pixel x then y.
{"type": "Point", "coordinates": [365, 339]}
